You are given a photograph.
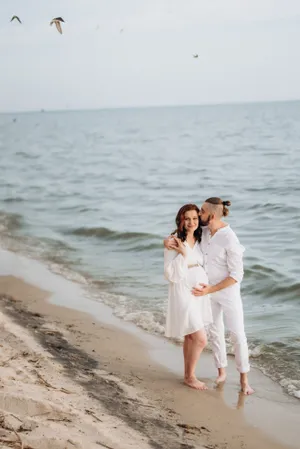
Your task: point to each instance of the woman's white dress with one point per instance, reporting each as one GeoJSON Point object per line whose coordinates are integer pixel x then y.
{"type": "Point", "coordinates": [186, 313]}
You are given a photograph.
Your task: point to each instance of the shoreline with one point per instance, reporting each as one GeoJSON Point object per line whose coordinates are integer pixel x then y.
{"type": "Point", "coordinates": [149, 370]}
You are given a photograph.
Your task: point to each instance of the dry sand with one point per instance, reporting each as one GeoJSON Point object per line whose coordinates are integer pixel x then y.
{"type": "Point", "coordinates": [67, 381]}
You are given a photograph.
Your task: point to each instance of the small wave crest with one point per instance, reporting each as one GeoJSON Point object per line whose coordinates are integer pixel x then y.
{"type": "Point", "coordinates": [146, 247]}
{"type": "Point", "coordinates": [10, 222]}
{"type": "Point", "coordinates": [16, 199]}
{"type": "Point", "coordinates": [106, 233]}
{"type": "Point", "coordinates": [126, 308]}
{"type": "Point", "coordinates": [269, 207]}
{"type": "Point", "coordinates": [143, 319]}
{"type": "Point", "coordinates": [270, 283]}
{"type": "Point", "coordinates": [273, 361]}
{"type": "Point", "coordinates": [257, 269]}
{"type": "Point", "coordinates": [286, 293]}
{"type": "Point", "coordinates": [26, 155]}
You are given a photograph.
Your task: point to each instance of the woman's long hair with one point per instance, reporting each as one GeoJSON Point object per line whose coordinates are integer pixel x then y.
{"type": "Point", "coordinates": [180, 231]}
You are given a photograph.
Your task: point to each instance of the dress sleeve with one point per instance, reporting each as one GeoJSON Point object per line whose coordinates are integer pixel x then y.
{"type": "Point", "coordinates": [235, 264]}
{"type": "Point", "coordinates": [175, 266]}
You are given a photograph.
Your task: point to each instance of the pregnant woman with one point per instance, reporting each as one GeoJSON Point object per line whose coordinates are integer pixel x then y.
{"type": "Point", "coordinates": [187, 315]}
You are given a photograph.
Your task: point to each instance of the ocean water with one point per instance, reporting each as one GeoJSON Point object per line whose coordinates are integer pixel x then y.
{"type": "Point", "coordinates": [93, 193]}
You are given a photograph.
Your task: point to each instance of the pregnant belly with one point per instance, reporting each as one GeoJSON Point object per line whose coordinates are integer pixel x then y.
{"type": "Point", "coordinates": [196, 276]}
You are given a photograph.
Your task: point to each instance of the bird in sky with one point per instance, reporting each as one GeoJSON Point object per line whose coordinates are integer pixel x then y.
{"type": "Point", "coordinates": [15, 18]}
{"type": "Point", "coordinates": [57, 22]}
{"type": "Point", "coordinates": [196, 56]}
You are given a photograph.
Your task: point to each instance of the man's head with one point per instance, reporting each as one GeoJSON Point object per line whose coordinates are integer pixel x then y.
{"type": "Point", "coordinates": [212, 211]}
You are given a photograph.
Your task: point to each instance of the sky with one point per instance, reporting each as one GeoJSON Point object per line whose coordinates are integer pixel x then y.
{"type": "Point", "coordinates": [248, 51]}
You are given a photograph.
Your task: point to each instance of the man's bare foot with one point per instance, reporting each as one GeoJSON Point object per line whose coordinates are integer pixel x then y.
{"type": "Point", "coordinates": [221, 376]}
{"type": "Point", "coordinates": [246, 389]}
{"type": "Point", "coordinates": [193, 382]}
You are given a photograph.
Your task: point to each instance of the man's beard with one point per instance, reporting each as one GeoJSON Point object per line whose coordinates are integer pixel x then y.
{"type": "Point", "coordinates": [204, 223]}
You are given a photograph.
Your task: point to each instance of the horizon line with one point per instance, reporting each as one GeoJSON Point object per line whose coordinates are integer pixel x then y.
{"type": "Point", "coordinates": [103, 108]}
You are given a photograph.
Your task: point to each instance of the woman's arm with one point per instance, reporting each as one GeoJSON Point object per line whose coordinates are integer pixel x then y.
{"type": "Point", "coordinates": [175, 266]}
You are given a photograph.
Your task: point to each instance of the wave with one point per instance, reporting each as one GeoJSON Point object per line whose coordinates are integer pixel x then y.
{"type": "Point", "coordinates": [264, 277]}
{"type": "Point", "coordinates": [269, 283]}
{"type": "Point", "coordinates": [10, 221]}
{"type": "Point", "coordinates": [50, 244]}
{"type": "Point", "coordinates": [146, 247]}
{"type": "Point", "coordinates": [280, 362]}
{"type": "Point", "coordinates": [16, 199]}
{"type": "Point", "coordinates": [261, 270]}
{"type": "Point", "coordinates": [268, 206]}
{"type": "Point", "coordinates": [289, 292]}
{"type": "Point", "coordinates": [106, 233]}
{"type": "Point", "coordinates": [27, 155]}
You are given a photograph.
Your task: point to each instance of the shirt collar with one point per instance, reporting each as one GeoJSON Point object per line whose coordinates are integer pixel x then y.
{"type": "Point", "coordinates": [224, 229]}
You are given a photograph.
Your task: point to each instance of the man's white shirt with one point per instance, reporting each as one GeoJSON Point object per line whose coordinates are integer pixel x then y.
{"type": "Point", "coordinates": [223, 255]}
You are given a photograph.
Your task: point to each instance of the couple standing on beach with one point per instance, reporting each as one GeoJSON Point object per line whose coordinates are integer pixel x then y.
{"type": "Point", "coordinates": [203, 262]}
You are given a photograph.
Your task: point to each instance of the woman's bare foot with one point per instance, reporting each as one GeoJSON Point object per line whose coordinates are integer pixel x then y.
{"type": "Point", "coordinates": [193, 382]}
{"type": "Point", "coordinates": [221, 376]}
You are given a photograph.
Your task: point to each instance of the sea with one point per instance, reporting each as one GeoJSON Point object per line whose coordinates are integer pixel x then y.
{"type": "Point", "coordinates": [92, 194]}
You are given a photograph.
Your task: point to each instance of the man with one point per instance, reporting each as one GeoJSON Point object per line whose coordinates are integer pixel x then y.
{"type": "Point", "coordinates": [223, 263]}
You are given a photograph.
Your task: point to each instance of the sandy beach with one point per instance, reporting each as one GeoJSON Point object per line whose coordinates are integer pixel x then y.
{"type": "Point", "coordinates": [69, 381]}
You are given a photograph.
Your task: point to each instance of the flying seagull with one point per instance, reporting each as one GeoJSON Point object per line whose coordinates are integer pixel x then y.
{"type": "Point", "coordinates": [195, 56]}
{"type": "Point", "coordinates": [57, 22]}
{"type": "Point", "coordinates": [15, 18]}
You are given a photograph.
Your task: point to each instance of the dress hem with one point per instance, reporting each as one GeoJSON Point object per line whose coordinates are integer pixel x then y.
{"type": "Point", "coordinates": [189, 333]}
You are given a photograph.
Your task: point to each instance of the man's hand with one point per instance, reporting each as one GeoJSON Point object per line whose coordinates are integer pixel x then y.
{"type": "Point", "coordinates": [203, 290]}
{"type": "Point", "coordinates": [178, 246]}
{"type": "Point", "coordinates": [175, 243]}
{"type": "Point", "coordinates": [169, 242]}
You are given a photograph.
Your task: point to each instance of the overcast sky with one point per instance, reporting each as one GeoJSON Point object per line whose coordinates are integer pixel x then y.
{"type": "Point", "coordinates": [248, 51]}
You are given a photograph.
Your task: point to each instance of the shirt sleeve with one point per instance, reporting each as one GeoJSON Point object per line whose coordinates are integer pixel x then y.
{"type": "Point", "coordinates": [235, 264]}
{"type": "Point", "coordinates": [175, 266]}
